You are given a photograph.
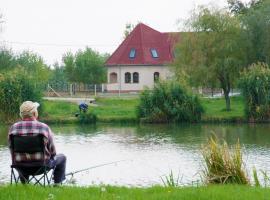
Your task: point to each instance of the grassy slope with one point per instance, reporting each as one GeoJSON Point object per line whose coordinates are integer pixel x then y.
{"type": "Point", "coordinates": [226, 192]}
{"type": "Point", "coordinates": [124, 110]}
{"type": "Point", "coordinates": [216, 109]}
{"type": "Point", "coordinates": [114, 109]}
{"type": "Point", "coordinates": [57, 111]}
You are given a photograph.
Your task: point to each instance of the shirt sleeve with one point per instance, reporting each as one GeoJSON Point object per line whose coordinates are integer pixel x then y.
{"type": "Point", "coordinates": [51, 145]}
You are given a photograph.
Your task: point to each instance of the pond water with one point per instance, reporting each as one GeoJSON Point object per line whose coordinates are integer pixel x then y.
{"type": "Point", "coordinates": [150, 152]}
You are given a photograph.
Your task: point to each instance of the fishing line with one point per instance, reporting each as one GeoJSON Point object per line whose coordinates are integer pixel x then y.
{"type": "Point", "coordinates": [92, 167]}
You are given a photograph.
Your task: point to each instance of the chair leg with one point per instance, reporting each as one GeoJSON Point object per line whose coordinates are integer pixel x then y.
{"type": "Point", "coordinates": [44, 179]}
{"type": "Point", "coordinates": [47, 178]}
{"type": "Point", "coordinates": [11, 176]}
{"type": "Point", "coordinates": [52, 174]}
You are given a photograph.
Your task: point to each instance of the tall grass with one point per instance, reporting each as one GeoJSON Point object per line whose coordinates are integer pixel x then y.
{"type": "Point", "coordinates": [170, 180]}
{"type": "Point", "coordinates": [265, 182]}
{"type": "Point", "coordinates": [223, 165]}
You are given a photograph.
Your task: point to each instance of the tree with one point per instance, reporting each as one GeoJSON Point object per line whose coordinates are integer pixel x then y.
{"type": "Point", "coordinates": [16, 88]}
{"type": "Point", "coordinates": [69, 66]}
{"type": "Point", "coordinates": [85, 67]}
{"type": "Point", "coordinates": [239, 7]}
{"type": "Point", "coordinates": [7, 61]}
{"type": "Point", "coordinates": [58, 76]}
{"type": "Point", "coordinates": [256, 31]}
{"type": "Point", "coordinates": [129, 27]}
{"type": "Point", "coordinates": [214, 51]}
{"type": "Point", "coordinates": [33, 66]}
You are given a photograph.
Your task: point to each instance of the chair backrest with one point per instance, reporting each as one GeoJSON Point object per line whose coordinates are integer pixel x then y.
{"type": "Point", "coordinates": [27, 144]}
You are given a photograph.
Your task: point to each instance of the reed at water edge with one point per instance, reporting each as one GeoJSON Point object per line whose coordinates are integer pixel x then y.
{"type": "Point", "coordinates": [223, 164]}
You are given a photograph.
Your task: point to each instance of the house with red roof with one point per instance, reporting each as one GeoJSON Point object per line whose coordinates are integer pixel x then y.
{"type": "Point", "coordinates": [140, 60]}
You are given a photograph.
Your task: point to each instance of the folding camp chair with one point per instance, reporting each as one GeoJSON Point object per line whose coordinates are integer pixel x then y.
{"type": "Point", "coordinates": [38, 171]}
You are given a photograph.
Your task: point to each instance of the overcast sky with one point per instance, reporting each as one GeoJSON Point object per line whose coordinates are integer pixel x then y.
{"type": "Point", "coordinates": [53, 27]}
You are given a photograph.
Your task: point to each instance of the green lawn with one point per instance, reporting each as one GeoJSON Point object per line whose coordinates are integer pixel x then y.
{"type": "Point", "coordinates": [58, 112]}
{"type": "Point", "coordinates": [115, 109]}
{"type": "Point", "coordinates": [215, 109]}
{"type": "Point", "coordinates": [225, 192]}
{"type": "Point", "coordinates": [58, 108]}
{"type": "Point", "coordinates": [124, 110]}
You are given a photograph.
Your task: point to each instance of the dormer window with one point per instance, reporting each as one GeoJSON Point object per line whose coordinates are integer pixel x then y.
{"type": "Point", "coordinates": [154, 53]}
{"type": "Point", "coordinates": [132, 53]}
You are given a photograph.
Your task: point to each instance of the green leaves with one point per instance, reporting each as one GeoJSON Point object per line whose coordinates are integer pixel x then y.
{"type": "Point", "coordinates": [33, 66]}
{"type": "Point", "coordinates": [214, 53]}
{"type": "Point", "coordinates": [169, 102]}
{"type": "Point", "coordinates": [255, 86]}
{"type": "Point", "coordinates": [15, 89]}
{"type": "Point", "coordinates": [85, 67]}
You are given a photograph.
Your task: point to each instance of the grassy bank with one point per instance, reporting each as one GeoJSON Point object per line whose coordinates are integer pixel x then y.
{"type": "Point", "coordinates": [116, 110]}
{"type": "Point", "coordinates": [124, 110]}
{"type": "Point", "coordinates": [215, 110]}
{"type": "Point", "coordinates": [225, 192]}
{"type": "Point", "coordinates": [59, 112]}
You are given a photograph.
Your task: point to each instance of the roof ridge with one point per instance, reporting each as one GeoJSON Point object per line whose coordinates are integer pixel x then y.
{"type": "Point", "coordinates": [141, 42]}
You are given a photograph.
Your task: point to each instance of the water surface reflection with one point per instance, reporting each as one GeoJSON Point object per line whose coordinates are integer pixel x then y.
{"type": "Point", "coordinates": [151, 151]}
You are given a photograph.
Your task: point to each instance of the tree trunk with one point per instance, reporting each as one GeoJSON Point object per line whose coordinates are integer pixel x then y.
{"type": "Point", "coordinates": [226, 87]}
{"type": "Point", "coordinates": [227, 99]}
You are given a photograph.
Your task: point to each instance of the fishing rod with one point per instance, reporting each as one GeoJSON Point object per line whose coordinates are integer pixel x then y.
{"type": "Point", "coordinates": [92, 167]}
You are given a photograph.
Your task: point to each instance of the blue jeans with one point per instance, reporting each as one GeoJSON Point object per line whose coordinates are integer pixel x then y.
{"type": "Point", "coordinates": [59, 162]}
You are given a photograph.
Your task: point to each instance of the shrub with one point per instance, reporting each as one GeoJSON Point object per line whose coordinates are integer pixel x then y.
{"type": "Point", "coordinates": [255, 86]}
{"type": "Point", "coordinates": [87, 118]}
{"type": "Point", "coordinates": [169, 102]}
{"type": "Point", "coordinates": [223, 165]}
{"type": "Point", "coordinates": [15, 89]}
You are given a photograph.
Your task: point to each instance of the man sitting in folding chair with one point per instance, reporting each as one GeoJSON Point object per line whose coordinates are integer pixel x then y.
{"type": "Point", "coordinates": [28, 162]}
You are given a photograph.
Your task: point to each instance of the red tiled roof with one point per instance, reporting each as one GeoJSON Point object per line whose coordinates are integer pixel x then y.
{"type": "Point", "coordinates": [143, 39]}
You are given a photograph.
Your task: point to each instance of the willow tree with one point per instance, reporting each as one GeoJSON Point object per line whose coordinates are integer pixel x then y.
{"type": "Point", "coordinates": [213, 50]}
{"type": "Point", "coordinates": [256, 29]}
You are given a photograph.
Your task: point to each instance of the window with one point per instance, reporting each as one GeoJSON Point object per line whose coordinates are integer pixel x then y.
{"type": "Point", "coordinates": [113, 77]}
{"type": "Point", "coordinates": [132, 53]}
{"type": "Point", "coordinates": [127, 77]}
{"type": "Point", "coordinates": [135, 77]}
{"type": "Point", "coordinates": [156, 76]}
{"type": "Point", "coordinates": [154, 53]}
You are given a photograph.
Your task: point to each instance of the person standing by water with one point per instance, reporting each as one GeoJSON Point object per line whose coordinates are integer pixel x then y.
{"type": "Point", "coordinates": [29, 125]}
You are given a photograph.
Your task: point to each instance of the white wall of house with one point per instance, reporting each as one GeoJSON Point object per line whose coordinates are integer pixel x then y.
{"type": "Point", "coordinates": [146, 77]}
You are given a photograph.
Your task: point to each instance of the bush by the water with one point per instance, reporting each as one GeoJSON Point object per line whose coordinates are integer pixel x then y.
{"type": "Point", "coordinates": [255, 85]}
{"type": "Point", "coordinates": [87, 118]}
{"type": "Point", "coordinates": [15, 89]}
{"type": "Point", "coordinates": [223, 165]}
{"type": "Point", "coordinates": [169, 102]}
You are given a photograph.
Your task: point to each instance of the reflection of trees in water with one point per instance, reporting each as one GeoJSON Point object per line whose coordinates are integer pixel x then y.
{"type": "Point", "coordinates": [188, 134]}
{"type": "Point", "coordinates": [258, 134]}
{"type": "Point", "coordinates": [71, 129]}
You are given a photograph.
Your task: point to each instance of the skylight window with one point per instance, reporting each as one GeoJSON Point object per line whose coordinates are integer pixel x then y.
{"type": "Point", "coordinates": [132, 53]}
{"type": "Point", "coordinates": [154, 53]}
